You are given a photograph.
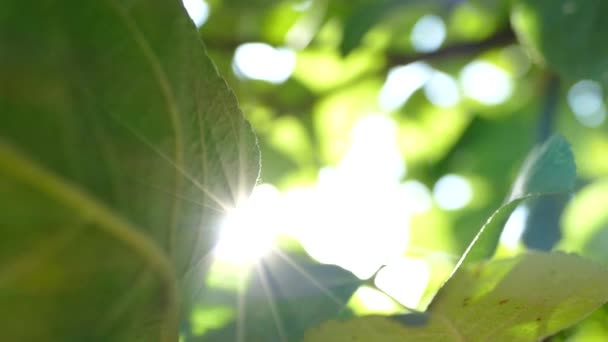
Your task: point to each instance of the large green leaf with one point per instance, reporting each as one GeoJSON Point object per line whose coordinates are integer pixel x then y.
{"type": "Point", "coordinates": [569, 36]}
{"type": "Point", "coordinates": [522, 299]}
{"type": "Point", "coordinates": [119, 148]}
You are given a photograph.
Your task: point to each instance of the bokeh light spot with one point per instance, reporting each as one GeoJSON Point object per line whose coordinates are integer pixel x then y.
{"type": "Point", "coordinates": [452, 192]}
{"type": "Point", "coordinates": [416, 197]}
{"type": "Point", "coordinates": [442, 90]}
{"type": "Point", "coordinates": [259, 61]}
{"type": "Point", "coordinates": [428, 33]}
{"type": "Point", "coordinates": [585, 100]}
{"type": "Point", "coordinates": [401, 83]}
{"type": "Point", "coordinates": [486, 83]}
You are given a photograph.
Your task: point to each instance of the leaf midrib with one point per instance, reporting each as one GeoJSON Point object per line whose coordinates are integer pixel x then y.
{"type": "Point", "coordinates": [171, 109]}
{"type": "Point", "coordinates": [72, 196]}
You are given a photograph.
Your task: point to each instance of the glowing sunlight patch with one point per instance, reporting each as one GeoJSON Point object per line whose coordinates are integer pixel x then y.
{"type": "Point", "coordinates": [442, 90]}
{"type": "Point", "coordinates": [486, 83]}
{"type": "Point", "coordinates": [416, 197]}
{"type": "Point", "coordinates": [366, 301]}
{"type": "Point", "coordinates": [405, 280]}
{"type": "Point", "coordinates": [357, 215]}
{"type": "Point", "coordinates": [428, 33]}
{"type": "Point", "coordinates": [259, 61]}
{"type": "Point", "coordinates": [585, 100]}
{"type": "Point", "coordinates": [514, 228]}
{"type": "Point", "coordinates": [401, 83]}
{"type": "Point", "coordinates": [357, 205]}
{"type": "Point", "coordinates": [248, 231]}
{"type": "Point", "coordinates": [452, 192]}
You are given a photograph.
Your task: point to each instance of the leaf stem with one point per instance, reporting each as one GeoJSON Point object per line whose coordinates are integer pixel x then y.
{"type": "Point", "coordinates": [546, 120]}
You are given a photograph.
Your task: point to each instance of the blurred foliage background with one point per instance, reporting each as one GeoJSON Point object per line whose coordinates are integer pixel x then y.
{"type": "Point", "coordinates": [390, 130]}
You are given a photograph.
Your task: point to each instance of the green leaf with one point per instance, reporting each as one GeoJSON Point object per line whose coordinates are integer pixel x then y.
{"type": "Point", "coordinates": [526, 298]}
{"type": "Point", "coordinates": [549, 169]}
{"type": "Point", "coordinates": [286, 296]}
{"type": "Point", "coordinates": [120, 146]}
{"type": "Point", "coordinates": [569, 36]}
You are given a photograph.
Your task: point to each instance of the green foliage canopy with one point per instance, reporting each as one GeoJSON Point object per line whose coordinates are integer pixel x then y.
{"type": "Point", "coordinates": [121, 150]}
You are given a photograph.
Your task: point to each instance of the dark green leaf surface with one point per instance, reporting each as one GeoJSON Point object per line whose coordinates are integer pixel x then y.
{"type": "Point", "coordinates": [286, 296]}
{"type": "Point", "coordinates": [522, 299]}
{"type": "Point", "coordinates": [569, 36]}
{"type": "Point", "coordinates": [542, 227]}
{"type": "Point", "coordinates": [549, 169]}
{"type": "Point", "coordinates": [119, 146]}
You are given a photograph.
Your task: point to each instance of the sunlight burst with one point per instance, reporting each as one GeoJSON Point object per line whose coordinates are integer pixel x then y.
{"type": "Point", "coordinates": [248, 231]}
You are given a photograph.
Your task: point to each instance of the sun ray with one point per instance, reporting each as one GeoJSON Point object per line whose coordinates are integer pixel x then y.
{"type": "Point", "coordinates": [271, 303]}
{"type": "Point", "coordinates": [122, 302]}
{"type": "Point", "coordinates": [179, 169]}
{"type": "Point", "coordinates": [237, 128]}
{"type": "Point", "coordinates": [179, 196]}
{"type": "Point", "coordinates": [310, 278]}
{"type": "Point", "coordinates": [241, 329]}
{"type": "Point", "coordinates": [340, 303]}
{"type": "Point", "coordinates": [206, 260]}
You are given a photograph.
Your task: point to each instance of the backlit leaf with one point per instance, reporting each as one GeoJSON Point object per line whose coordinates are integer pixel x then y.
{"type": "Point", "coordinates": [549, 169]}
{"type": "Point", "coordinates": [522, 299]}
{"type": "Point", "coordinates": [120, 147]}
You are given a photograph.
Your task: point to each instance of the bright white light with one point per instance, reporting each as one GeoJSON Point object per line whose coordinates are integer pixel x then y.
{"type": "Point", "coordinates": [405, 280]}
{"type": "Point", "coordinates": [415, 197]}
{"type": "Point", "coordinates": [261, 61]}
{"type": "Point", "coordinates": [585, 99]}
{"type": "Point", "coordinates": [373, 151]}
{"type": "Point", "coordinates": [401, 83]}
{"type": "Point", "coordinates": [198, 10]}
{"type": "Point", "coordinates": [442, 90]}
{"type": "Point", "coordinates": [248, 231]}
{"type": "Point", "coordinates": [486, 83]}
{"type": "Point", "coordinates": [374, 301]}
{"type": "Point", "coordinates": [514, 228]}
{"type": "Point", "coordinates": [428, 33]}
{"type": "Point", "coordinates": [452, 192]}
{"type": "Point", "coordinates": [302, 5]}
{"type": "Point", "coordinates": [356, 205]}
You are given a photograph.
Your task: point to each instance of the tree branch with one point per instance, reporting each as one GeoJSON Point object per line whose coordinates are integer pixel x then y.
{"type": "Point", "coordinates": [501, 38]}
